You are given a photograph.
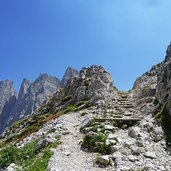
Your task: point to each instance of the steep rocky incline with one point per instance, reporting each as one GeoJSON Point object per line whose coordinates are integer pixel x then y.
{"type": "Point", "coordinates": [164, 82]}
{"type": "Point", "coordinates": [155, 84]}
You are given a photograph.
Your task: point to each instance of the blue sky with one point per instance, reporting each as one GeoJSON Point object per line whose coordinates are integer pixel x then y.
{"type": "Point", "coordinates": [40, 36]}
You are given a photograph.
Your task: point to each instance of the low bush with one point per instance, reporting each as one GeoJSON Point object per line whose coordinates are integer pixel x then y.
{"type": "Point", "coordinates": [96, 142]}
{"type": "Point", "coordinates": [28, 157]}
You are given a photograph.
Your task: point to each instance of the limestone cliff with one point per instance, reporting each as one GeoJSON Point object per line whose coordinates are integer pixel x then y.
{"type": "Point", "coordinates": [31, 96]}
{"type": "Point", "coordinates": [6, 92]}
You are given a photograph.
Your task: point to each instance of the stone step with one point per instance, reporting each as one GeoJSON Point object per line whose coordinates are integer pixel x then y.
{"type": "Point", "coordinates": [117, 116]}
{"type": "Point", "coordinates": [124, 96]}
{"type": "Point", "coordinates": [124, 104]}
{"type": "Point", "coordinates": [129, 106]}
{"type": "Point", "coordinates": [117, 113]}
{"type": "Point", "coordinates": [123, 93]}
{"type": "Point", "coordinates": [118, 119]}
{"type": "Point", "coordinates": [128, 114]}
{"type": "Point", "coordinates": [122, 100]}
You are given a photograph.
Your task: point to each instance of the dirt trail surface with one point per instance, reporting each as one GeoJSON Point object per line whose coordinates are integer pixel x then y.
{"type": "Point", "coordinates": [68, 156]}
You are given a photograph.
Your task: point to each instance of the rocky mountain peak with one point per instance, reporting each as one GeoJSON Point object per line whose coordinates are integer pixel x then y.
{"type": "Point", "coordinates": [69, 73]}
{"type": "Point", "coordinates": [94, 83]}
{"type": "Point", "coordinates": [45, 83]}
{"type": "Point", "coordinates": [6, 92]}
{"type": "Point", "coordinates": [43, 76]}
{"type": "Point", "coordinates": [23, 88]}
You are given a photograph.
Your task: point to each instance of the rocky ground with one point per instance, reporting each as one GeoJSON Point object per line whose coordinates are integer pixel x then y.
{"type": "Point", "coordinates": [138, 147]}
{"type": "Point", "coordinates": [69, 156]}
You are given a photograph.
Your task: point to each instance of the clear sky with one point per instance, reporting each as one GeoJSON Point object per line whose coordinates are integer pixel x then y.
{"type": "Point", "coordinates": [127, 37]}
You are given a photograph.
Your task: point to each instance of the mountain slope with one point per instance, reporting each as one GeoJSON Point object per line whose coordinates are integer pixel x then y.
{"type": "Point", "coordinates": [100, 127]}
{"type": "Point", "coordinates": [31, 96]}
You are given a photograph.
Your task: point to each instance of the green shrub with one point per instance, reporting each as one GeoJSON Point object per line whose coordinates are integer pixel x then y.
{"type": "Point", "coordinates": [41, 163]}
{"type": "Point", "coordinates": [70, 108]}
{"type": "Point", "coordinates": [9, 155]}
{"type": "Point", "coordinates": [96, 143]}
{"type": "Point", "coordinates": [28, 157]}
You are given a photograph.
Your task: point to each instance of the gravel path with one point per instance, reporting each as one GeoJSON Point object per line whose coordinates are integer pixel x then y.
{"type": "Point", "coordinates": [68, 156]}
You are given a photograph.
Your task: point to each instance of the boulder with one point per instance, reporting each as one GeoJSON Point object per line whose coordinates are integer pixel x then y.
{"type": "Point", "coordinates": [150, 155]}
{"type": "Point", "coordinates": [104, 160]}
{"type": "Point", "coordinates": [134, 132]}
{"type": "Point", "coordinates": [109, 128]}
{"type": "Point", "coordinates": [86, 122]}
{"type": "Point", "coordinates": [133, 158]}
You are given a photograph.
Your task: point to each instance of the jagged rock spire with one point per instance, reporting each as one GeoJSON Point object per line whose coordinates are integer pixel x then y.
{"type": "Point", "coordinates": [69, 73]}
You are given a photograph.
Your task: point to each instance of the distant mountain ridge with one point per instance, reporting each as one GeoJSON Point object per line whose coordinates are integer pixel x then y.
{"type": "Point", "coordinates": [30, 97]}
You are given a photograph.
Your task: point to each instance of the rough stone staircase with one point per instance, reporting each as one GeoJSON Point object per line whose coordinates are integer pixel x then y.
{"type": "Point", "coordinates": [121, 110]}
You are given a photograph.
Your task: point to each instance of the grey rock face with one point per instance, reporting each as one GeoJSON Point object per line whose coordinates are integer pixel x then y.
{"type": "Point", "coordinates": [6, 92]}
{"type": "Point", "coordinates": [93, 84]}
{"type": "Point", "coordinates": [4, 116]}
{"type": "Point", "coordinates": [70, 73]}
{"type": "Point", "coordinates": [32, 95]}
{"type": "Point", "coordinates": [164, 82]}
{"type": "Point", "coordinates": [7, 100]}
{"type": "Point", "coordinates": [145, 86]}
{"type": "Point", "coordinates": [24, 88]}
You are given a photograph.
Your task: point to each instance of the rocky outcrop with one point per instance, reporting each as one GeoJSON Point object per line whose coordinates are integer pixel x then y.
{"type": "Point", "coordinates": [164, 82]}
{"type": "Point", "coordinates": [69, 73]}
{"type": "Point", "coordinates": [155, 84]}
{"type": "Point", "coordinates": [144, 88]}
{"type": "Point", "coordinates": [93, 84]}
